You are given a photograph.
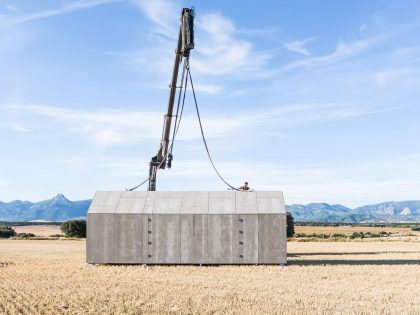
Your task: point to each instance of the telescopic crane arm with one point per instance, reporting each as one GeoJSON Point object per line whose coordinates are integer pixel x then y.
{"type": "Point", "coordinates": [185, 44]}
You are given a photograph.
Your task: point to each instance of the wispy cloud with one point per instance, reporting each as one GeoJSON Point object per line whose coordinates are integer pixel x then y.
{"type": "Point", "coordinates": [16, 127]}
{"type": "Point", "coordinates": [161, 14]}
{"type": "Point", "coordinates": [116, 126]}
{"type": "Point", "coordinates": [122, 127]}
{"type": "Point", "coordinates": [4, 183]}
{"type": "Point", "coordinates": [222, 50]}
{"type": "Point", "coordinates": [406, 77]}
{"type": "Point", "coordinates": [343, 51]}
{"type": "Point", "coordinates": [6, 21]}
{"type": "Point", "coordinates": [298, 46]}
{"type": "Point", "coordinates": [348, 184]}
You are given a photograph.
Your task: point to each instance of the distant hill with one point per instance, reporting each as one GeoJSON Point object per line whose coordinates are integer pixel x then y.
{"type": "Point", "coordinates": [391, 211]}
{"type": "Point", "coordinates": [60, 208]}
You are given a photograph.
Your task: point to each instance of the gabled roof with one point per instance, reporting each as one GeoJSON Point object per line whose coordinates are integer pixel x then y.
{"type": "Point", "coordinates": [188, 202]}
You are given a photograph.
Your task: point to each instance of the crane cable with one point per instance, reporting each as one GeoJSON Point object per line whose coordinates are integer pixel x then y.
{"type": "Point", "coordinates": [202, 134]}
{"type": "Point", "coordinates": [176, 126]}
{"type": "Point", "coordinates": [184, 89]}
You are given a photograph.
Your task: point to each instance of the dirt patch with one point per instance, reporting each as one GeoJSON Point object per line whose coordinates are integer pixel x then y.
{"type": "Point", "coordinates": [38, 230]}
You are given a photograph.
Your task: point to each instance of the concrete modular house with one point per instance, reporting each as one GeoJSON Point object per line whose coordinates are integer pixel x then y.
{"type": "Point", "coordinates": [186, 228]}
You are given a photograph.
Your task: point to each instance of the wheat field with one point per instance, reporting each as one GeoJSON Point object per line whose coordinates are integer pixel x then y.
{"type": "Point", "coordinates": [51, 277]}
{"type": "Point", "coordinates": [350, 229]}
{"type": "Point", "coordinates": [39, 230]}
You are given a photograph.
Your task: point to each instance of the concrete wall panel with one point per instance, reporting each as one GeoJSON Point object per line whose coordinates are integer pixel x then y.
{"type": "Point", "coordinates": [221, 194]}
{"type": "Point", "coordinates": [170, 194]}
{"type": "Point", "coordinates": [166, 240]}
{"type": "Point", "coordinates": [283, 239]}
{"type": "Point", "coordinates": [150, 202]}
{"type": "Point", "coordinates": [194, 210]}
{"type": "Point", "coordinates": [100, 239]}
{"type": "Point", "coordinates": [269, 194]}
{"type": "Point", "coordinates": [248, 238]}
{"type": "Point", "coordinates": [106, 198]}
{"type": "Point", "coordinates": [222, 202]}
{"type": "Point", "coordinates": [195, 202]}
{"type": "Point", "coordinates": [147, 239]}
{"type": "Point", "coordinates": [223, 239]}
{"type": "Point", "coordinates": [167, 205]}
{"type": "Point", "coordinates": [271, 206]}
{"type": "Point", "coordinates": [128, 239]}
{"type": "Point", "coordinates": [102, 209]}
{"type": "Point", "coordinates": [246, 203]}
{"type": "Point", "coordinates": [195, 199]}
{"type": "Point", "coordinates": [133, 205]}
{"type": "Point", "coordinates": [134, 194]}
{"type": "Point", "coordinates": [271, 239]}
{"type": "Point", "coordinates": [194, 234]}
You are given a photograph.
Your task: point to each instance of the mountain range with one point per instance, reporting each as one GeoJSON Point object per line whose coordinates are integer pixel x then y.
{"type": "Point", "coordinates": [59, 209]}
{"type": "Point", "coordinates": [387, 212]}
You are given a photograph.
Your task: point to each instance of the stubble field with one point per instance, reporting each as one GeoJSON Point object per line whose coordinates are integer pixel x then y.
{"type": "Point", "coordinates": [350, 229]}
{"type": "Point", "coordinates": [51, 277]}
{"type": "Point", "coordinates": [39, 230]}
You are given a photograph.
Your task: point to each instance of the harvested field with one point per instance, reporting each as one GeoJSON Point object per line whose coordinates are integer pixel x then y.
{"type": "Point", "coordinates": [350, 229]}
{"type": "Point", "coordinates": [39, 230]}
{"type": "Point", "coordinates": [51, 277]}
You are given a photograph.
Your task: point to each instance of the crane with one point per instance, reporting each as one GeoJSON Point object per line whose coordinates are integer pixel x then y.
{"type": "Point", "coordinates": [185, 43]}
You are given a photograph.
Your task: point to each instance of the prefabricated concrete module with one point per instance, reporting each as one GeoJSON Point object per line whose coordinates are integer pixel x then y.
{"type": "Point", "coordinates": [190, 227]}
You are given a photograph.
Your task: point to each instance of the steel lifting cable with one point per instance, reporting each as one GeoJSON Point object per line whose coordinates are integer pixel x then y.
{"type": "Point", "coordinates": [202, 133]}
{"type": "Point", "coordinates": [183, 100]}
{"type": "Point", "coordinates": [176, 127]}
{"type": "Point", "coordinates": [184, 89]}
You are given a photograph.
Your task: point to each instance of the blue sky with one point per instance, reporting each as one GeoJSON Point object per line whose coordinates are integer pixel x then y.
{"type": "Point", "coordinates": [319, 99]}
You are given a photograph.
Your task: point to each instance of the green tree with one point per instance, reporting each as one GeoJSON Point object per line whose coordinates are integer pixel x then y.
{"type": "Point", "coordinates": [6, 231]}
{"type": "Point", "coordinates": [290, 225]}
{"type": "Point", "coordinates": [25, 235]}
{"type": "Point", "coordinates": [74, 228]}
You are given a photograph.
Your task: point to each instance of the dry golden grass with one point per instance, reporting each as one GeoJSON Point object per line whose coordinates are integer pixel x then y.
{"type": "Point", "coordinates": [349, 229]}
{"type": "Point", "coordinates": [51, 277]}
{"type": "Point", "coordinates": [39, 230]}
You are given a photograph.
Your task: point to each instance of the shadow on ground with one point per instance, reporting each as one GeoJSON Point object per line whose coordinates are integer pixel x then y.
{"type": "Point", "coordinates": [349, 253]}
{"type": "Point", "coordinates": [298, 259]}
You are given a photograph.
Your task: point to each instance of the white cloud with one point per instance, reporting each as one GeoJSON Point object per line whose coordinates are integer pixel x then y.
{"type": "Point", "coordinates": [4, 183]}
{"type": "Point", "coordinates": [343, 51]}
{"type": "Point", "coordinates": [406, 77]}
{"type": "Point", "coordinates": [209, 88]}
{"type": "Point", "coordinates": [298, 46]}
{"type": "Point", "coordinates": [111, 126]}
{"type": "Point", "coordinates": [7, 21]}
{"type": "Point", "coordinates": [221, 51]}
{"type": "Point", "coordinates": [16, 127]}
{"type": "Point", "coordinates": [351, 184]}
{"type": "Point", "coordinates": [220, 48]}
{"type": "Point", "coordinates": [108, 127]}
{"type": "Point", "coordinates": [161, 13]}
{"type": "Point", "coordinates": [388, 179]}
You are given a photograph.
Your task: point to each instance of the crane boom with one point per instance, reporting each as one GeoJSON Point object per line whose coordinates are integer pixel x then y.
{"type": "Point", "coordinates": [185, 44]}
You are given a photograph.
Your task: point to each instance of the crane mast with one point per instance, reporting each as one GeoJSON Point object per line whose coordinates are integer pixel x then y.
{"type": "Point", "coordinates": [185, 44]}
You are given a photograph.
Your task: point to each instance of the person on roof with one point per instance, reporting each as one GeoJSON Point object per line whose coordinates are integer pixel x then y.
{"type": "Point", "coordinates": [244, 187]}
